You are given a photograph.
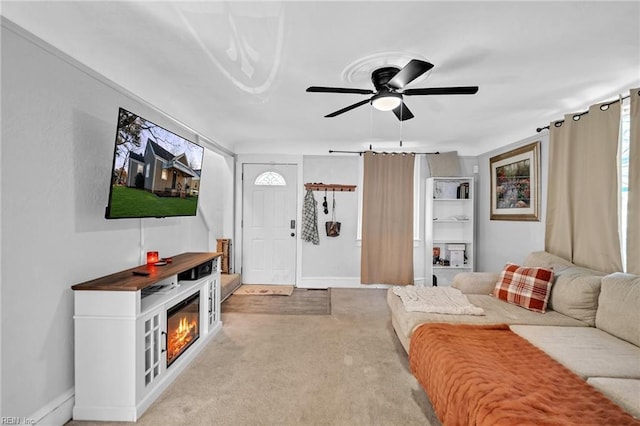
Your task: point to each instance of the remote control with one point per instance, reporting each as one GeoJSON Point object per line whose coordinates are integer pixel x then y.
{"type": "Point", "coordinates": [141, 273]}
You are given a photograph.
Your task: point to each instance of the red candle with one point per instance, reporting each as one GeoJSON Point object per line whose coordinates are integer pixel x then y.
{"type": "Point", "coordinates": [152, 257]}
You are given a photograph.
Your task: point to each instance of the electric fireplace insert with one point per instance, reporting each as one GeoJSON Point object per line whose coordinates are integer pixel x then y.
{"type": "Point", "coordinates": [183, 326]}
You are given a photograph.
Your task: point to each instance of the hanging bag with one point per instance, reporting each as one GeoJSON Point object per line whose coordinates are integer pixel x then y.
{"type": "Point", "coordinates": [333, 227]}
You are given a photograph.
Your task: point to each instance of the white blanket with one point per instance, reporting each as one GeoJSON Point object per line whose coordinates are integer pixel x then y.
{"type": "Point", "coordinates": [438, 300]}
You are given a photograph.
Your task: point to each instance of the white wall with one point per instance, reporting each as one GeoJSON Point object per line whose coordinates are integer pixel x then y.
{"type": "Point", "coordinates": [58, 132]}
{"type": "Point", "coordinates": [215, 204]}
{"type": "Point", "coordinates": [498, 241]}
{"type": "Point", "coordinates": [336, 260]}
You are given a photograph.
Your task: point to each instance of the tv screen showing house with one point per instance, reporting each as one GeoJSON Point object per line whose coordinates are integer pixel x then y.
{"type": "Point", "coordinates": [155, 173]}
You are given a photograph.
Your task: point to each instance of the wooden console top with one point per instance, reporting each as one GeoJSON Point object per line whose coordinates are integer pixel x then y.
{"type": "Point", "coordinates": [127, 281]}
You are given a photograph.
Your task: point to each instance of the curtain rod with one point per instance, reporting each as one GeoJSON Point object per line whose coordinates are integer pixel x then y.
{"type": "Point", "coordinates": [331, 151]}
{"type": "Point", "coordinates": [576, 117]}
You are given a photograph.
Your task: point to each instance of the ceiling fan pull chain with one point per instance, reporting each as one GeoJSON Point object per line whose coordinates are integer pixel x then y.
{"type": "Point", "coordinates": [401, 109]}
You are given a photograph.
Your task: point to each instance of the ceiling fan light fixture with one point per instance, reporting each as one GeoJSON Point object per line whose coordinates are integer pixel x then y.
{"type": "Point", "coordinates": [389, 83]}
{"type": "Point", "coordinates": [386, 101]}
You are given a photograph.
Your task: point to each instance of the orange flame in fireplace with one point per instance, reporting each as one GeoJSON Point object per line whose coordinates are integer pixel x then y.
{"type": "Point", "coordinates": [184, 334]}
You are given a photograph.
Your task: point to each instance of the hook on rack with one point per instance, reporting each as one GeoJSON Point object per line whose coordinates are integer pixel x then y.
{"type": "Point", "coordinates": [325, 187]}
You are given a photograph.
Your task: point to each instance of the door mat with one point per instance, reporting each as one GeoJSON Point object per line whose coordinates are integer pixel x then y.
{"type": "Point", "coordinates": [264, 290]}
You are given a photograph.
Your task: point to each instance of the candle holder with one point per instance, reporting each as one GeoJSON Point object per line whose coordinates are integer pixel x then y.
{"type": "Point", "coordinates": [152, 257]}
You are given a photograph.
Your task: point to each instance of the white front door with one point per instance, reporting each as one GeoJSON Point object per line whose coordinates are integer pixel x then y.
{"type": "Point", "coordinates": [269, 228]}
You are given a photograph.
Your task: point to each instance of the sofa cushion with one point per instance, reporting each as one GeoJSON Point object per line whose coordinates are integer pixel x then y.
{"type": "Point", "coordinates": [587, 351]}
{"type": "Point", "coordinates": [496, 312]}
{"type": "Point", "coordinates": [575, 293]}
{"type": "Point", "coordinates": [619, 307]}
{"type": "Point", "coordinates": [624, 392]}
{"type": "Point", "coordinates": [547, 260]}
{"type": "Point", "coordinates": [475, 282]}
{"type": "Point", "coordinates": [528, 287]}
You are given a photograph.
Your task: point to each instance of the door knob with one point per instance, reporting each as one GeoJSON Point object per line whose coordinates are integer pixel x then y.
{"type": "Point", "coordinates": [293, 234]}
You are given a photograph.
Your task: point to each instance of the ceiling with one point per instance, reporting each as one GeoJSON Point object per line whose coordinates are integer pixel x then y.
{"type": "Point", "coordinates": [237, 71]}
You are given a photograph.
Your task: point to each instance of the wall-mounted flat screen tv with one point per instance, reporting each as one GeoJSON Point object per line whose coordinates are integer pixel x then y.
{"type": "Point", "coordinates": [156, 173]}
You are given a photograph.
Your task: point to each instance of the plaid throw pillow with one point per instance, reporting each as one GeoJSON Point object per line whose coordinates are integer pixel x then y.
{"type": "Point", "coordinates": [525, 286]}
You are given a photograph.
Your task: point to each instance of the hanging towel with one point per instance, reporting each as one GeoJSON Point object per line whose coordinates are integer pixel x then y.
{"type": "Point", "coordinates": [310, 219]}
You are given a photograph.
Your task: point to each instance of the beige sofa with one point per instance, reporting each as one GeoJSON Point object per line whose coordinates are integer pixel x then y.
{"type": "Point", "coordinates": [592, 324]}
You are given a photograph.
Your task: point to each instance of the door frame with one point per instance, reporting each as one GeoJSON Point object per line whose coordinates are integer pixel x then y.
{"type": "Point", "coordinates": [266, 159]}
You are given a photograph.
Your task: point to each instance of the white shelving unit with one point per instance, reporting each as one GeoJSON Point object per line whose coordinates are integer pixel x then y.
{"type": "Point", "coordinates": [449, 228]}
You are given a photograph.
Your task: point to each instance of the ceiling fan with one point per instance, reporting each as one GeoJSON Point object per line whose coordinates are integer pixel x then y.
{"type": "Point", "coordinates": [389, 83]}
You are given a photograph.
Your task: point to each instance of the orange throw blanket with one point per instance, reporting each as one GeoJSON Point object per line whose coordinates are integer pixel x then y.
{"type": "Point", "coordinates": [488, 375]}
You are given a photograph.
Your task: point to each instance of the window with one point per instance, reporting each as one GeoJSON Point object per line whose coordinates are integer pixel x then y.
{"type": "Point", "coordinates": [148, 168]}
{"type": "Point", "coordinates": [164, 174]}
{"type": "Point", "coordinates": [270, 179]}
{"type": "Point", "coordinates": [625, 142]}
{"type": "Point", "coordinates": [140, 168]}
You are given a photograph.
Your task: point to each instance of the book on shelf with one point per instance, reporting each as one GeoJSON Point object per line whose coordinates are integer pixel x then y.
{"type": "Point", "coordinates": [463, 191]}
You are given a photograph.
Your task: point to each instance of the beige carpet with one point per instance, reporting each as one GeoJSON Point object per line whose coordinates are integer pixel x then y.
{"type": "Point", "coordinates": [347, 368]}
{"type": "Point", "coordinates": [264, 290]}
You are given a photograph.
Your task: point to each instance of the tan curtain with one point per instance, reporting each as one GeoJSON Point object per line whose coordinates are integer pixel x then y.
{"type": "Point", "coordinates": [633, 200]}
{"type": "Point", "coordinates": [558, 235]}
{"type": "Point", "coordinates": [387, 219]}
{"type": "Point", "coordinates": [582, 200]}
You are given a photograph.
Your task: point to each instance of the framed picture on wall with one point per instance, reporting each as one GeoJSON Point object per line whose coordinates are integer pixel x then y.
{"type": "Point", "coordinates": [515, 184]}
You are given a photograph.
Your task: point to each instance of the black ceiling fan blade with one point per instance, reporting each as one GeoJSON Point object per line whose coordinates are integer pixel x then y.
{"type": "Point", "coordinates": [402, 112]}
{"type": "Point", "coordinates": [349, 108]}
{"type": "Point", "coordinates": [414, 69]}
{"type": "Point", "coordinates": [320, 89]}
{"type": "Point", "coordinates": [461, 90]}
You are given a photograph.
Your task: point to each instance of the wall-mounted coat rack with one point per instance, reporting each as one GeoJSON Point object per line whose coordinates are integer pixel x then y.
{"type": "Point", "coordinates": [329, 187]}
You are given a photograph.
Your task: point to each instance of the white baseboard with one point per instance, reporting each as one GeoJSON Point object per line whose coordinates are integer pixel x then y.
{"type": "Point", "coordinates": [57, 412]}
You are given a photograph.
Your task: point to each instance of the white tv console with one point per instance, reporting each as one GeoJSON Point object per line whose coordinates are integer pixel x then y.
{"type": "Point", "coordinates": [120, 335]}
